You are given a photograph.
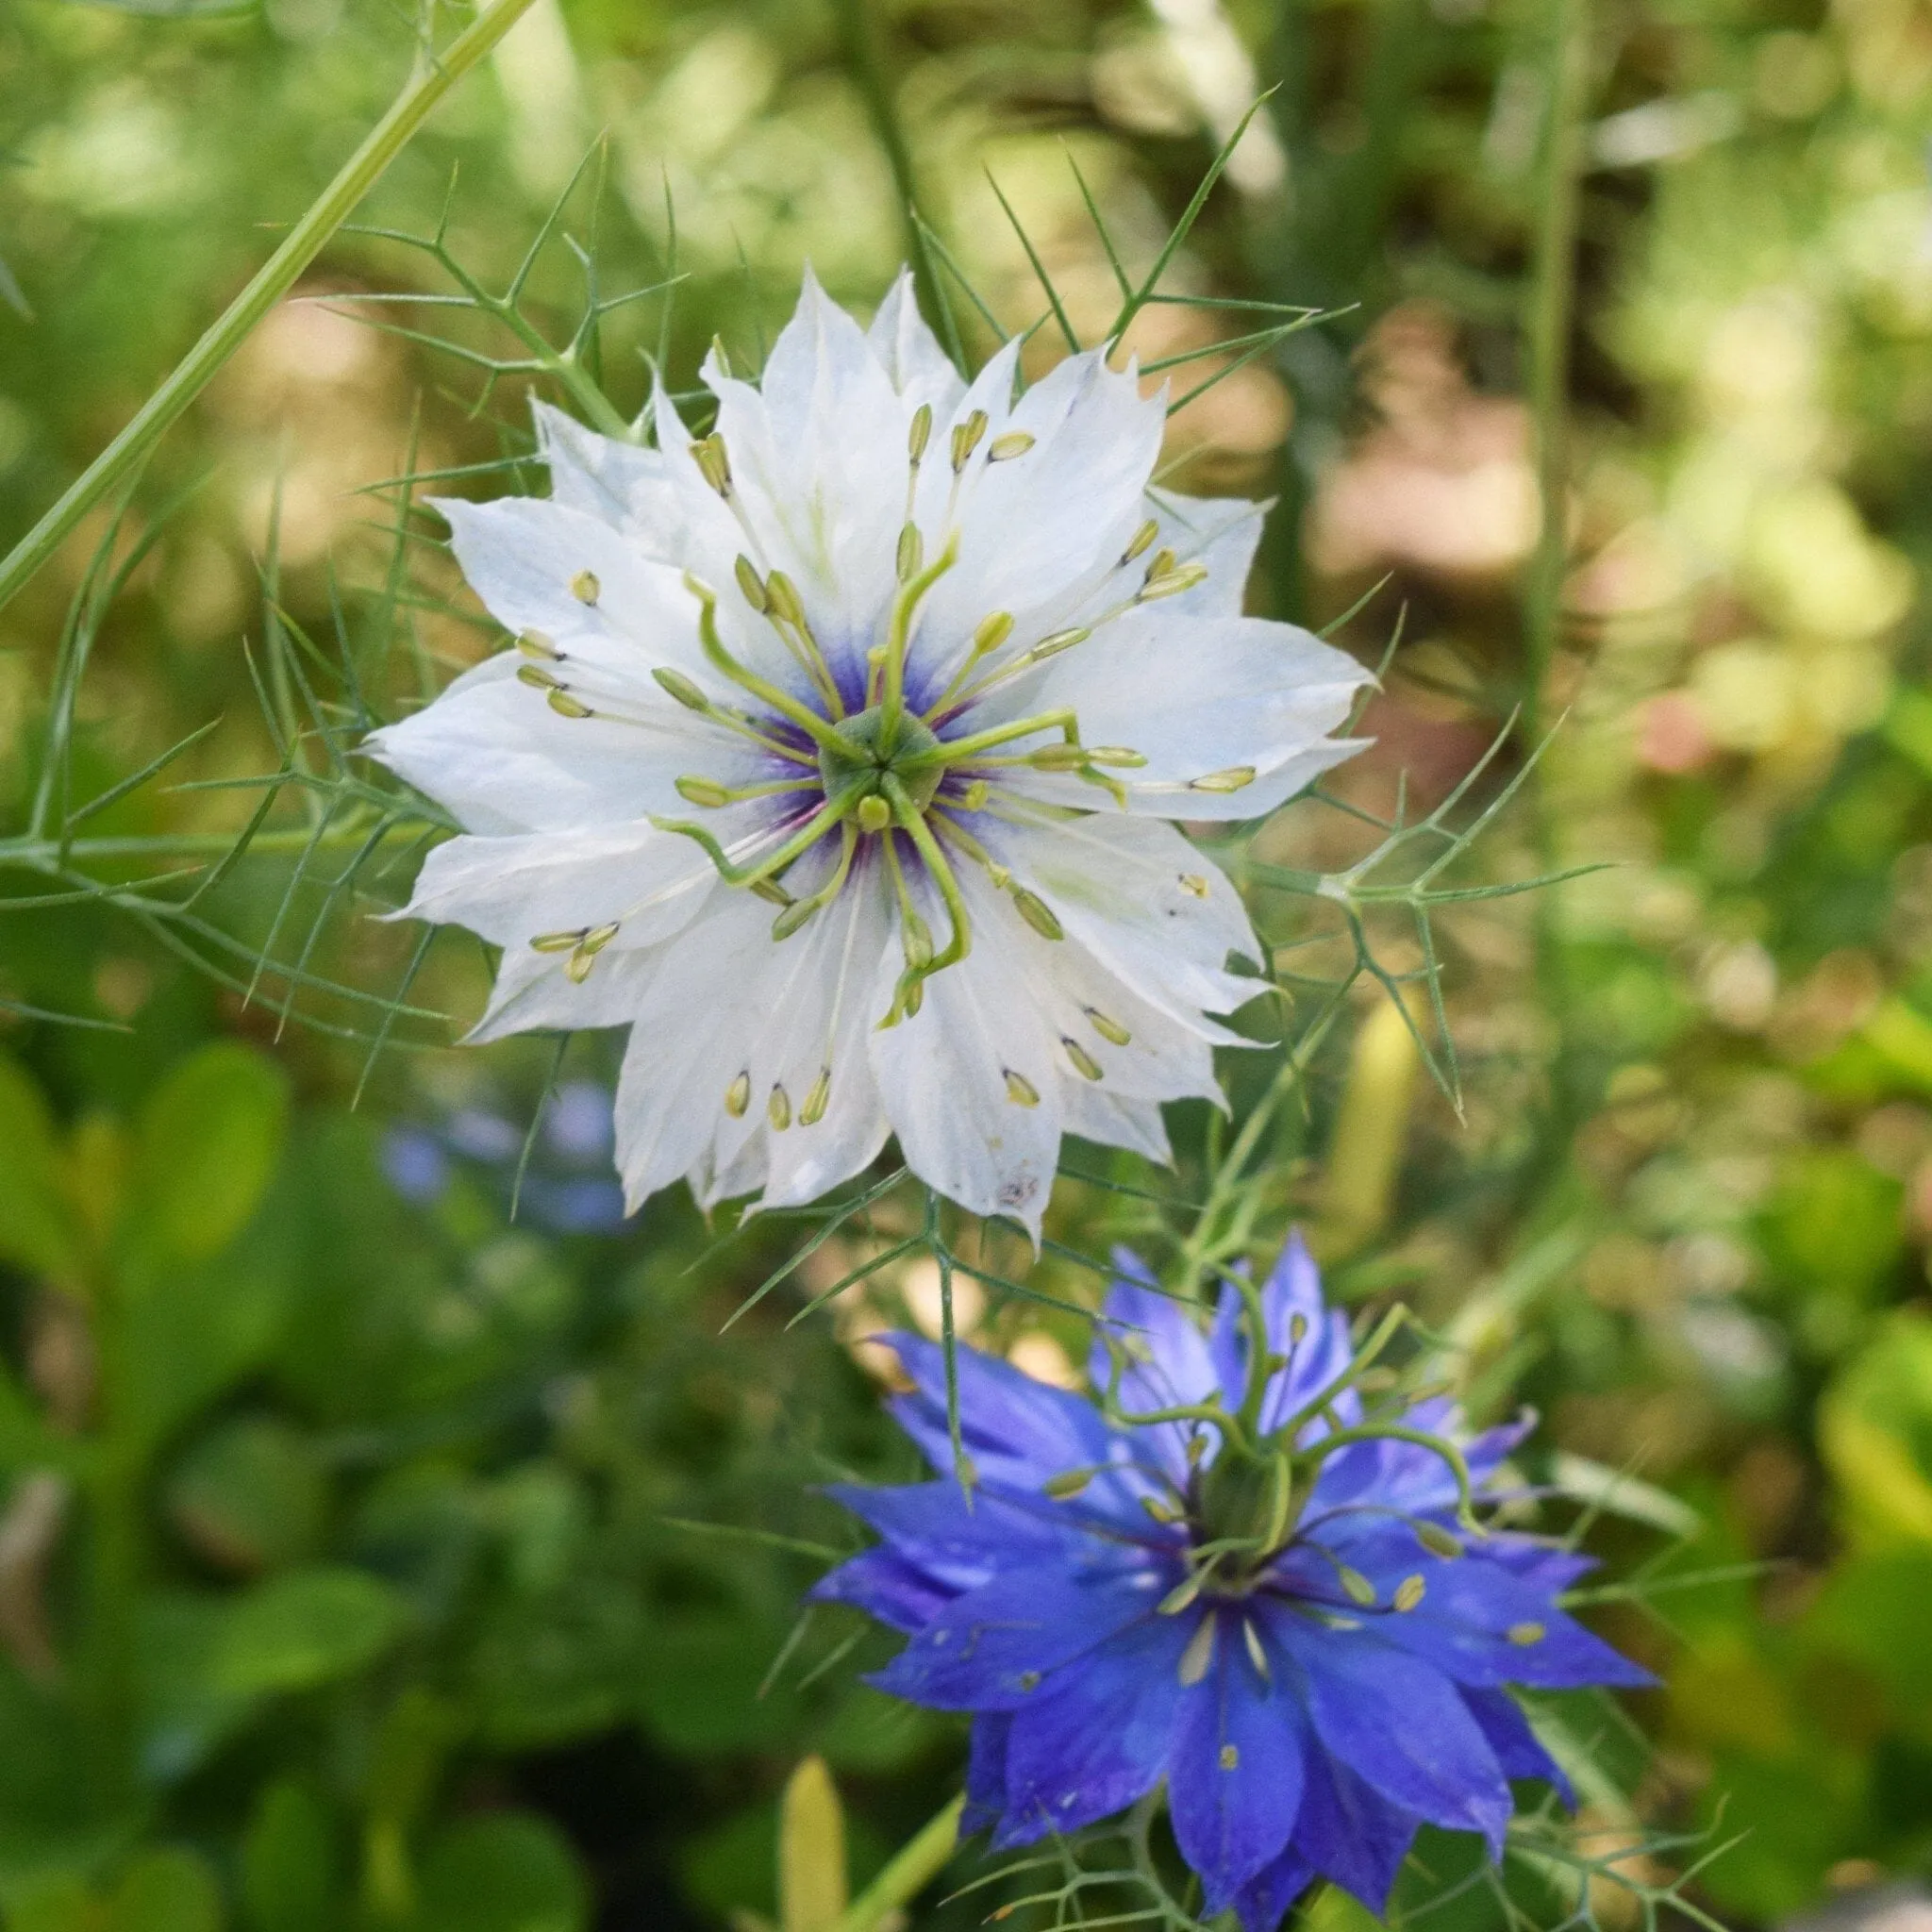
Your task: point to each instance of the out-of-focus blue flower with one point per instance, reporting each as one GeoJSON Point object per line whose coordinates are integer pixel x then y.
{"type": "Point", "coordinates": [555, 1192]}
{"type": "Point", "coordinates": [417, 1167]}
{"type": "Point", "coordinates": [1237, 1573]}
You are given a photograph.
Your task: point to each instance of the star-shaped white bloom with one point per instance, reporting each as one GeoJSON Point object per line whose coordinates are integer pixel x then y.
{"type": "Point", "coordinates": [833, 760]}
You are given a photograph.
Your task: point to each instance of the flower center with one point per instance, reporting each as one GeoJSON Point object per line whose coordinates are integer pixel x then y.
{"type": "Point", "coordinates": [862, 752]}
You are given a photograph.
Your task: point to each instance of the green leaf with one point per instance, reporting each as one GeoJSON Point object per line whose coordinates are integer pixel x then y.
{"type": "Point", "coordinates": [303, 1629]}
{"type": "Point", "coordinates": [250, 1496]}
{"type": "Point", "coordinates": [289, 1866]}
{"type": "Point", "coordinates": [36, 1231]}
{"type": "Point", "coordinates": [1875, 1425]}
{"type": "Point", "coordinates": [205, 1148]}
{"type": "Point", "coordinates": [167, 1890]}
{"type": "Point", "coordinates": [506, 1873]}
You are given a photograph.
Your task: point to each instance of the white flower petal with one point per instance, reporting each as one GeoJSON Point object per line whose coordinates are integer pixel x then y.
{"type": "Point", "coordinates": [492, 752]}
{"type": "Point", "coordinates": [1114, 1120]}
{"type": "Point", "coordinates": [513, 891]}
{"type": "Point", "coordinates": [622, 484]}
{"type": "Point", "coordinates": [818, 454]}
{"type": "Point", "coordinates": [1198, 698]}
{"type": "Point", "coordinates": [1151, 909]}
{"type": "Point", "coordinates": [955, 1076]}
{"type": "Point", "coordinates": [1037, 530]}
{"type": "Point", "coordinates": [534, 994]}
{"type": "Point", "coordinates": [910, 355]}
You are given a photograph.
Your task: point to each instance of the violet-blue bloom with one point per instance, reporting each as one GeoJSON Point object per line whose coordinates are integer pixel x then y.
{"type": "Point", "coordinates": [1335, 1677]}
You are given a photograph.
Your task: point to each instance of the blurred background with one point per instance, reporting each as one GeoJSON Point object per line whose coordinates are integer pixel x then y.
{"type": "Point", "coordinates": [370, 1557]}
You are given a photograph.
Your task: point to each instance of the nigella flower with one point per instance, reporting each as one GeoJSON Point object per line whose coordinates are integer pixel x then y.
{"type": "Point", "coordinates": [1236, 1574]}
{"type": "Point", "coordinates": [833, 760]}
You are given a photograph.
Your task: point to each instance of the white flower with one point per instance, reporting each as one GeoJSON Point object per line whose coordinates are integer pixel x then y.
{"type": "Point", "coordinates": [833, 760]}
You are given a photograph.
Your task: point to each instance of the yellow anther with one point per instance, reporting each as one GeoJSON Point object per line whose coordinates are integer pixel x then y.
{"type": "Point", "coordinates": [1003, 449]}
{"type": "Point", "coordinates": [813, 1112]}
{"type": "Point", "coordinates": [1110, 1030]}
{"type": "Point", "coordinates": [966, 437]}
{"type": "Point", "coordinates": [703, 792]}
{"type": "Point", "coordinates": [1160, 564]}
{"type": "Point", "coordinates": [1409, 1593]}
{"type": "Point", "coordinates": [1235, 778]}
{"type": "Point", "coordinates": [1356, 1587]}
{"type": "Point", "coordinates": [796, 912]}
{"type": "Point", "coordinates": [752, 585]}
{"type": "Point", "coordinates": [1173, 583]}
{"type": "Point", "coordinates": [1231, 1755]}
{"type": "Point", "coordinates": [1138, 544]}
{"type": "Point", "coordinates": [1117, 754]}
{"type": "Point", "coordinates": [1161, 1513]}
{"type": "Point", "coordinates": [1038, 914]}
{"type": "Point", "coordinates": [714, 465]}
{"type": "Point", "coordinates": [1524, 1635]}
{"type": "Point", "coordinates": [911, 558]}
{"type": "Point", "coordinates": [873, 813]}
{"type": "Point", "coordinates": [992, 632]}
{"type": "Point", "coordinates": [771, 892]}
{"type": "Point", "coordinates": [588, 948]}
{"type": "Point", "coordinates": [919, 433]}
{"type": "Point", "coordinates": [1055, 641]}
{"type": "Point", "coordinates": [1192, 882]}
{"type": "Point", "coordinates": [974, 797]}
{"type": "Point", "coordinates": [560, 941]}
{"type": "Point", "coordinates": [585, 588]}
{"type": "Point", "coordinates": [1257, 1655]}
{"type": "Point", "coordinates": [1084, 1064]}
{"type": "Point", "coordinates": [1199, 1654]}
{"type": "Point", "coordinates": [786, 604]}
{"type": "Point", "coordinates": [1067, 1485]}
{"type": "Point", "coordinates": [779, 1109]}
{"type": "Point", "coordinates": [536, 676]}
{"type": "Point", "coordinates": [1437, 1541]}
{"type": "Point", "coordinates": [737, 1096]}
{"type": "Point", "coordinates": [1021, 1090]}
{"type": "Point", "coordinates": [567, 707]}
{"type": "Point", "coordinates": [1180, 1597]}
{"type": "Point", "coordinates": [535, 644]}
{"type": "Point", "coordinates": [675, 683]}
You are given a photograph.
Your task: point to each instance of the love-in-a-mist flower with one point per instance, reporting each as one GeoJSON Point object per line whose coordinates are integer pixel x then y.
{"type": "Point", "coordinates": [1236, 1573]}
{"type": "Point", "coordinates": [832, 760]}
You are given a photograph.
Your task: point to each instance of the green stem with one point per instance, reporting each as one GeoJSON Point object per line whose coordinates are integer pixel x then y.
{"type": "Point", "coordinates": [1552, 300]}
{"type": "Point", "coordinates": [858, 46]}
{"type": "Point", "coordinates": [912, 1869]}
{"type": "Point", "coordinates": [433, 78]}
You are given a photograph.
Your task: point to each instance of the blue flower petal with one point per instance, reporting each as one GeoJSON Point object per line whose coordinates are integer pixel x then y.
{"type": "Point", "coordinates": [1235, 1781]}
{"type": "Point", "coordinates": [991, 1648]}
{"type": "Point", "coordinates": [1324, 1352]}
{"type": "Point", "coordinates": [1018, 1432]}
{"type": "Point", "coordinates": [1352, 1834]}
{"type": "Point", "coordinates": [1099, 1737]}
{"type": "Point", "coordinates": [958, 1542]}
{"type": "Point", "coordinates": [884, 1584]}
{"type": "Point", "coordinates": [985, 1773]}
{"type": "Point", "coordinates": [1398, 1723]}
{"type": "Point", "coordinates": [1263, 1902]}
{"type": "Point", "coordinates": [1517, 1747]}
{"type": "Point", "coordinates": [1169, 1359]}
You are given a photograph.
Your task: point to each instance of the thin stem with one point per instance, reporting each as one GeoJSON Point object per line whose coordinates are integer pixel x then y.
{"type": "Point", "coordinates": [1552, 300]}
{"type": "Point", "coordinates": [434, 77]}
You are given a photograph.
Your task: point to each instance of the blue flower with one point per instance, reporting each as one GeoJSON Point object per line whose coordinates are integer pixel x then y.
{"type": "Point", "coordinates": [1238, 1571]}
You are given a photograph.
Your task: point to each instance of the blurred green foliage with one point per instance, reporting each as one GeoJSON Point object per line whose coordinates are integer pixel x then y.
{"type": "Point", "coordinates": [348, 1573]}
